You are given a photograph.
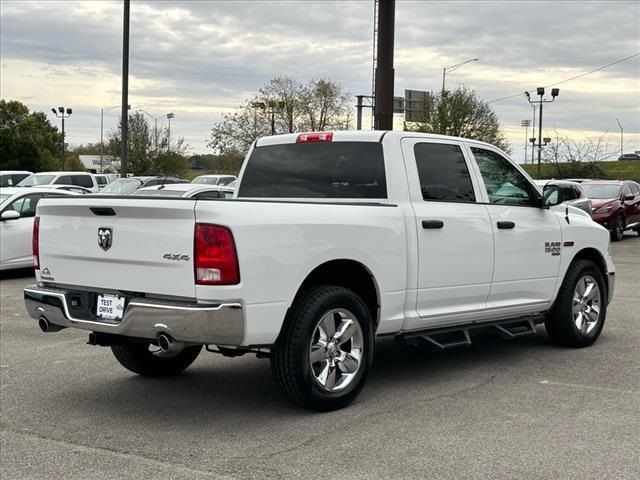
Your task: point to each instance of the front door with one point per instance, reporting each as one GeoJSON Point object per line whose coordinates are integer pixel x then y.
{"type": "Point", "coordinates": [454, 236]}
{"type": "Point", "coordinates": [527, 238]}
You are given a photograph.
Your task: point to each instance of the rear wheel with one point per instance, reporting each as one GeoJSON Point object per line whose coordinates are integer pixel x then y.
{"type": "Point", "coordinates": [146, 359]}
{"type": "Point", "coordinates": [323, 354]}
{"type": "Point", "coordinates": [618, 229]}
{"type": "Point", "coordinates": [579, 313]}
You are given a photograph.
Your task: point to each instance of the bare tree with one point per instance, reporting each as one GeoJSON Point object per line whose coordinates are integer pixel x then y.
{"type": "Point", "coordinates": [577, 158]}
{"type": "Point", "coordinates": [314, 106]}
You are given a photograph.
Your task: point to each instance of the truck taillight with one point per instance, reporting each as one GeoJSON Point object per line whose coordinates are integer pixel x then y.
{"type": "Point", "coordinates": [314, 137]}
{"type": "Point", "coordinates": [35, 243]}
{"type": "Point", "coordinates": [214, 255]}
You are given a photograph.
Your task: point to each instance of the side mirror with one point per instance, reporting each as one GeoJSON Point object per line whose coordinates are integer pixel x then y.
{"type": "Point", "coordinates": [552, 196]}
{"type": "Point", "coordinates": [628, 198]}
{"type": "Point", "coordinates": [9, 215]}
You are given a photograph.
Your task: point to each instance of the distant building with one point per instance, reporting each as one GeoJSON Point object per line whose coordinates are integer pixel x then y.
{"type": "Point", "coordinates": [110, 164]}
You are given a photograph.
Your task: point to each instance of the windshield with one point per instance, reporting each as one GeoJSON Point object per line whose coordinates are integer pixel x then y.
{"type": "Point", "coordinates": [594, 190]}
{"type": "Point", "coordinates": [158, 193]}
{"type": "Point", "coordinates": [206, 180]}
{"type": "Point", "coordinates": [122, 186]}
{"type": "Point", "coordinates": [32, 180]}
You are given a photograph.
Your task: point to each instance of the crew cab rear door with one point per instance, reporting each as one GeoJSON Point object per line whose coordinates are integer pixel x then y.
{"type": "Point", "coordinates": [454, 234]}
{"type": "Point", "coordinates": [527, 238]}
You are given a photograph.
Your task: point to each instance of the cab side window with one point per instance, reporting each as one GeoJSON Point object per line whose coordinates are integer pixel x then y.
{"type": "Point", "coordinates": [82, 181]}
{"type": "Point", "coordinates": [443, 173]}
{"type": "Point", "coordinates": [63, 180]}
{"type": "Point", "coordinates": [635, 189]}
{"type": "Point", "coordinates": [504, 183]}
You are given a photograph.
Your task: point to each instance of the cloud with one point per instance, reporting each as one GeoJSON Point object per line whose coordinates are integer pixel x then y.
{"type": "Point", "coordinates": [202, 58]}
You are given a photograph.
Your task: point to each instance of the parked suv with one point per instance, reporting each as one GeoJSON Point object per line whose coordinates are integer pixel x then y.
{"type": "Point", "coordinates": [125, 186]}
{"type": "Point", "coordinates": [80, 179]}
{"type": "Point", "coordinates": [616, 205]}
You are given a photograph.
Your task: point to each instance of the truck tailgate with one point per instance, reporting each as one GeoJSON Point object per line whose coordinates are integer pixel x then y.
{"type": "Point", "coordinates": [150, 248]}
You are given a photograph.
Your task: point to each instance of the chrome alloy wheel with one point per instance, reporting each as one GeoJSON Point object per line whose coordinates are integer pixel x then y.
{"type": "Point", "coordinates": [586, 304]}
{"type": "Point", "coordinates": [336, 350]}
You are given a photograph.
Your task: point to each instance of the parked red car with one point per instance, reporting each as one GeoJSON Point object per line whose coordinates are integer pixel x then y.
{"type": "Point", "coordinates": [615, 205]}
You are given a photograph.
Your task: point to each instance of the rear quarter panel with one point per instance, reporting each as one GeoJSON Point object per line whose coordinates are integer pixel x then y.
{"type": "Point", "coordinates": [279, 244]}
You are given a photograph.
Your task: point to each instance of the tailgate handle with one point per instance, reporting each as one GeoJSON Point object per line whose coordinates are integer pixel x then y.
{"type": "Point", "coordinates": [103, 211]}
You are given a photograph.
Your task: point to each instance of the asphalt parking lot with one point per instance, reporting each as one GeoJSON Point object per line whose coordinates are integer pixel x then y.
{"type": "Point", "coordinates": [499, 409]}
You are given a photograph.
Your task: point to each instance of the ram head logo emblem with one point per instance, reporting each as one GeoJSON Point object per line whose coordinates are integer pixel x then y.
{"type": "Point", "coordinates": [105, 237]}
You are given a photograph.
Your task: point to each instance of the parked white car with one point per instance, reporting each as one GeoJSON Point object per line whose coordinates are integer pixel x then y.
{"type": "Point", "coordinates": [333, 238]}
{"type": "Point", "coordinates": [17, 211]}
{"type": "Point", "coordinates": [80, 179]}
{"type": "Point", "coordinates": [10, 178]}
{"type": "Point", "coordinates": [185, 190]}
{"type": "Point", "coordinates": [215, 179]}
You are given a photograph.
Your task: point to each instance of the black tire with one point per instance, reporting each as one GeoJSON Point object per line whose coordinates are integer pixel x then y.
{"type": "Point", "coordinates": [290, 362]}
{"type": "Point", "coordinates": [137, 358]}
{"type": "Point", "coordinates": [618, 229]}
{"type": "Point", "coordinates": [560, 324]}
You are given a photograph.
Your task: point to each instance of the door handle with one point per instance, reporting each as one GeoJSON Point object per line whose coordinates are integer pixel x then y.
{"type": "Point", "coordinates": [432, 224]}
{"type": "Point", "coordinates": [506, 225]}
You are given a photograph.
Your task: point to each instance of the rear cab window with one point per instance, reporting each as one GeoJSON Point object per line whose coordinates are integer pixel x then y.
{"type": "Point", "coordinates": [315, 170]}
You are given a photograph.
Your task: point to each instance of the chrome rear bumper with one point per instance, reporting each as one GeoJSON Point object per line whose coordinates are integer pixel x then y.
{"type": "Point", "coordinates": [219, 324]}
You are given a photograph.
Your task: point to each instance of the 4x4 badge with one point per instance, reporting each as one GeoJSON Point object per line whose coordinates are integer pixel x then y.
{"type": "Point", "coordinates": [105, 237]}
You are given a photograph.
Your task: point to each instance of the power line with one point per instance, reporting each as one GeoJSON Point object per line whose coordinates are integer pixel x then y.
{"type": "Point", "coordinates": [572, 78]}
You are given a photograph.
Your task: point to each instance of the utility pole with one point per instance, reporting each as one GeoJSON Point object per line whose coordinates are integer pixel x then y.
{"type": "Point", "coordinates": [533, 142]}
{"type": "Point", "coordinates": [125, 90]}
{"type": "Point", "coordinates": [621, 133]}
{"type": "Point", "coordinates": [525, 124]}
{"type": "Point", "coordinates": [540, 91]}
{"type": "Point", "coordinates": [384, 80]}
{"type": "Point", "coordinates": [60, 113]}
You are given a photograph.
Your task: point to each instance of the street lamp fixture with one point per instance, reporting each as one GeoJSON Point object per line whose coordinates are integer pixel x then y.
{"type": "Point", "coordinates": [60, 113]}
{"type": "Point", "coordinates": [540, 91]}
{"type": "Point", "coordinates": [102, 110]}
{"type": "Point", "coordinates": [455, 67]}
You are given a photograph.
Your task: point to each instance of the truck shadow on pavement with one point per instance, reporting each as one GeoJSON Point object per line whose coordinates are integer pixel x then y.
{"type": "Point", "coordinates": [215, 390]}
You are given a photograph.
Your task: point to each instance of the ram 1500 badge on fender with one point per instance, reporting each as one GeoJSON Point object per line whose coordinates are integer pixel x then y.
{"type": "Point", "coordinates": [330, 240]}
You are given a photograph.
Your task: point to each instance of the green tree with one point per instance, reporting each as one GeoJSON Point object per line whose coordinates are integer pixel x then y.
{"type": "Point", "coordinates": [28, 141]}
{"type": "Point", "coordinates": [461, 113]}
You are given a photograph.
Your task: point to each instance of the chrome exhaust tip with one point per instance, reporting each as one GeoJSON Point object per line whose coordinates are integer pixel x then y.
{"type": "Point", "coordinates": [168, 345]}
{"type": "Point", "coordinates": [48, 327]}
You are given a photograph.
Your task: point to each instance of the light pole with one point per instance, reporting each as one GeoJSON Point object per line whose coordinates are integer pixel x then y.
{"type": "Point", "coordinates": [274, 107]}
{"type": "Point", "coordinates": [60, 113]}
{"type": "Point", "coordinates": [540, 91]}
{"type": "Point", "coordinates": [454, 67]}
{"type": "Point", "coordinates": [525, 124]}
{"type": "Point", "coordinates": [155, 129]}
{"type": "Point", "coordinates": [169, 117]}
{"type": "Point", "coordinates": [102, 110]}
{"type": "Point", "coordinates": [621, 133]}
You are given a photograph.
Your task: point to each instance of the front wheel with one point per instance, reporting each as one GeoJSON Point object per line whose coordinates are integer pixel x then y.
{"type": "Point", "coordinates": [323, 354]}
{"type": "Point", "coordinates": [618, 229]}
{"type": "Point", "coordinates": [578, 315]}
{"type": "Point", "coordinates": [146, 359]}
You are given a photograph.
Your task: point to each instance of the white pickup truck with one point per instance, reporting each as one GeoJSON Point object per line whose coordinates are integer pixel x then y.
{"type": "Point", "coordinates": [331, 240]}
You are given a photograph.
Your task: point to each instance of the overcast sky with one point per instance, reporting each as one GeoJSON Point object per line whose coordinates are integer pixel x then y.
{"type": "Point", "coordinates": [200, 59]}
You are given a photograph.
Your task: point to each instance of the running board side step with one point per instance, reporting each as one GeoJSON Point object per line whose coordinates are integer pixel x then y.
{"type": "Point", "coordinates": [449, 337]}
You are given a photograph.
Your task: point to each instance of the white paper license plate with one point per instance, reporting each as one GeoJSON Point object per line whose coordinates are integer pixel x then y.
{"type": "Point", "coordinates": [110, 307]}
